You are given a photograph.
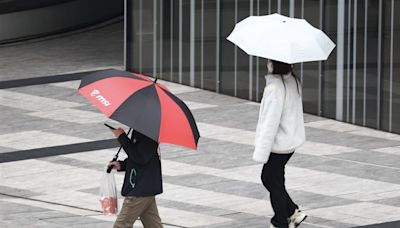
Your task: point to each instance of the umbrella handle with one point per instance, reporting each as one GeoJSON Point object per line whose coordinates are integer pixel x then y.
{"type": "Point", "coordinates": [116, 156]}
{"type": "Point", "coordinates": [114, 159]}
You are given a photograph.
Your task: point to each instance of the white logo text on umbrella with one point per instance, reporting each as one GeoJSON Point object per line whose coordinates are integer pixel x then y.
{"type": "Point", "coordinates": [96, 93]}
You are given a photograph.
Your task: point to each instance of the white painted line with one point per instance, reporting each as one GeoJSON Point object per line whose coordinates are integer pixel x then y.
{"type": "Point", "coordinates": [69, 84]}
{"type": "Point", "coordinates": [323, 149]}
{"type": "Point", "coordinates": [26, 140]}
{"type": "Point", "coordinates": [338, 126]}
{"type": "Point", "coordinates": [188, 219]}
{"type": "Point", "coordinates": [216, 200]}
{"type": "Point", "coordinates": [333, 125]}
{"type": "Point", "coordinates": [196, 105]}
{"type": "Point", "coordinates": [390, 150]}
{"type": "Point", "coordinates": [33, 103]}
{"type": "Point", "coordinates": [358, 213]}
{"type": "Point", "coordinates": [48, 206]}
{"type": "Point", "coordinates": [72, 116]}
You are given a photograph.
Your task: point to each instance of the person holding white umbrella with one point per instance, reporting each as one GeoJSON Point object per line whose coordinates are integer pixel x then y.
{"type": "Point", "coordinates": [280, 129]}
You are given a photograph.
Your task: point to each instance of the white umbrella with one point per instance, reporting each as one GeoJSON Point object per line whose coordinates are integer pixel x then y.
{"type": "Point", "coordinates": [281, 38]}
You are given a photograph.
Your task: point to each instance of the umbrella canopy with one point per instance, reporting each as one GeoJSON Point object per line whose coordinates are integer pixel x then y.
{"type": "Point", "coordinates": [281, 38]}
{"type": "Point", "coordinates": [144, 105]}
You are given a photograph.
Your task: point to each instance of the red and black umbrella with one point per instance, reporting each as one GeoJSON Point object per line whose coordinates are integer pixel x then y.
{"type": "Point", "coordinates": [146, 106]}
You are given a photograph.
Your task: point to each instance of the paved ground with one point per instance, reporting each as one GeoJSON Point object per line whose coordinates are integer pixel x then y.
{"type": "Point", "coordinates": [89, 50]}
{"type": "Point", "coordinates": [343, 176]}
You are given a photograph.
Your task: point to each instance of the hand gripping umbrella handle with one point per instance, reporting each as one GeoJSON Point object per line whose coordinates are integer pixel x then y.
{"type": "Point", "coordinates": [112, 166]}
{"type": "Point", "coordinates": [116, 156]}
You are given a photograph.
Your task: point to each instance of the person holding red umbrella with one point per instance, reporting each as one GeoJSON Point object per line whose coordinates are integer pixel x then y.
{"type": "Point", "coordinates": [144, 105]}
{"type": "Point", "coordinates": [156, 116]}
{"type": "Point", "coordinates": [142, 182]}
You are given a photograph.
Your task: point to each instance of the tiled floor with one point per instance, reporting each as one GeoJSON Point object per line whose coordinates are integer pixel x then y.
{"type": "Point", "coordinates": [339, 183]}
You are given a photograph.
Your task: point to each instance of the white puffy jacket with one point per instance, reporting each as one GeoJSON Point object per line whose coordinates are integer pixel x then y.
{"type": "Point", "coordinates": [280, 127]}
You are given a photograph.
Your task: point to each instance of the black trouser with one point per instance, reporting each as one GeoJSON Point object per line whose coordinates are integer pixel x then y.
{"type": "Point", "coordinates": [273, 178]}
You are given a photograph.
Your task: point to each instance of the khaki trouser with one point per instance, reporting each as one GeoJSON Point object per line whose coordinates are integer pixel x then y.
{"type": "Point", "coordinates": [134, 207]}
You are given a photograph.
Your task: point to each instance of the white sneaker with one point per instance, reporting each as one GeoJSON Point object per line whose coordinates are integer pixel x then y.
{"type": "Point", "coordinates": [297, 218]}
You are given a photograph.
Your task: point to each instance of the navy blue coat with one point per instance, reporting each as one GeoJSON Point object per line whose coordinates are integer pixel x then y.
{"type": "Point", "coordinates": [142, 167]}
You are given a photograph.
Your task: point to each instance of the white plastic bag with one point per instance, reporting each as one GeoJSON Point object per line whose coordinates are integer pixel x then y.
{"type": "Point", "coordinates": [108, 194]}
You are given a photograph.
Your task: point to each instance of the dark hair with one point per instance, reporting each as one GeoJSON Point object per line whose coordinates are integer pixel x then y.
{"type": "Point", "coordinates": [280, 67]}
{"type": "Point", "coordinates": [284, 68]}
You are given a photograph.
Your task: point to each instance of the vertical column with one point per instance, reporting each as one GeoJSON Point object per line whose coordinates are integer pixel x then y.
{"type": "Point", "coordinates": [340, 61]}
{"type": "Point", "coordinates": [301, 64]}
{"type": "Point", "coordinates": [269, 6]}
{"type": "Point", "coordinates": [192, 18]}
{"type": "Point", "coordinates": [251, 62]}
{"type": "Point", "coordinates": [235, 50]}
{"type": "Point", "coordinates": [291, 14]}
{"type": "Point", "coordinates": [391, 66]}
{"type": "Point", "coordinates": [180, 41]}
{"type": "Point", "coordinates": [257, 61]}
{"type": "Point", "coordinates": [202, 44]}
{"type": "Point", "coordinates": [155, 38]}
{"type": "Point", "coordinates": [217, 62]}
{"type": "Point", "coordinates": [365, 62]}
{"type": "Point", "coordinates": [353, 120]}
{"type": "Point", "coordinates": [171, 57]}
{"type": "Point", "coordinates": [140, 35]}
{"type": "Point", "coordinates": [321, 23]}
{"type": "Point", "coordinates": [161, 32]}
{"type": "Point", "coordinates": [125, 33]}
{"type": "Point", "coordinates": [379, 67]}
{"type": "Point", "coordinates": [279, 2]}
{"type": "Point", "coordinates": [348, 63]}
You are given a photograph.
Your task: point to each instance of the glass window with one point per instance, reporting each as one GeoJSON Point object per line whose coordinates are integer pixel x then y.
{"type": "Point", "coordinates": [396, 70]}
{"type": "Point", "coordinates": [209, 44]}
{"type": "Point", "coordinates": [166, 37]}
{"type": "Point", "coordinates": [311, 69]}
{"type": "Point", "coordinates": [227, 60]}
{"type": "Point", "coordinates": [329, 67]}
{"type": "Point", "coordinates": [147, 34]}
{"type": "Point", "coordinates": [371, 81]}
{"type": "Point", "coordinates": [186, 41]}
{"type": "Point", "coordinates": [372, 64]}
{"type": "Point", "coordinates": [358, 66]}
{"type": "Point", "coordinates": [264, 9]}
{"type": "Point", "coordinates": [285, 7]}
{"type": "Point", "coordinates": [198, 42]}
{"type": "Point", "coordinates": [242, 57]}
{"type": "Point", "coordinates": [386, 99]}
{"type": "Point", "coordinates": [175, 40]}
{"type": "Point", "coordinates": [133, 36]}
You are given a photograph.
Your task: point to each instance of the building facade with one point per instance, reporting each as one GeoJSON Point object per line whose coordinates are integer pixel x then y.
{"type": "Point", "coordinates": [184, 41]}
